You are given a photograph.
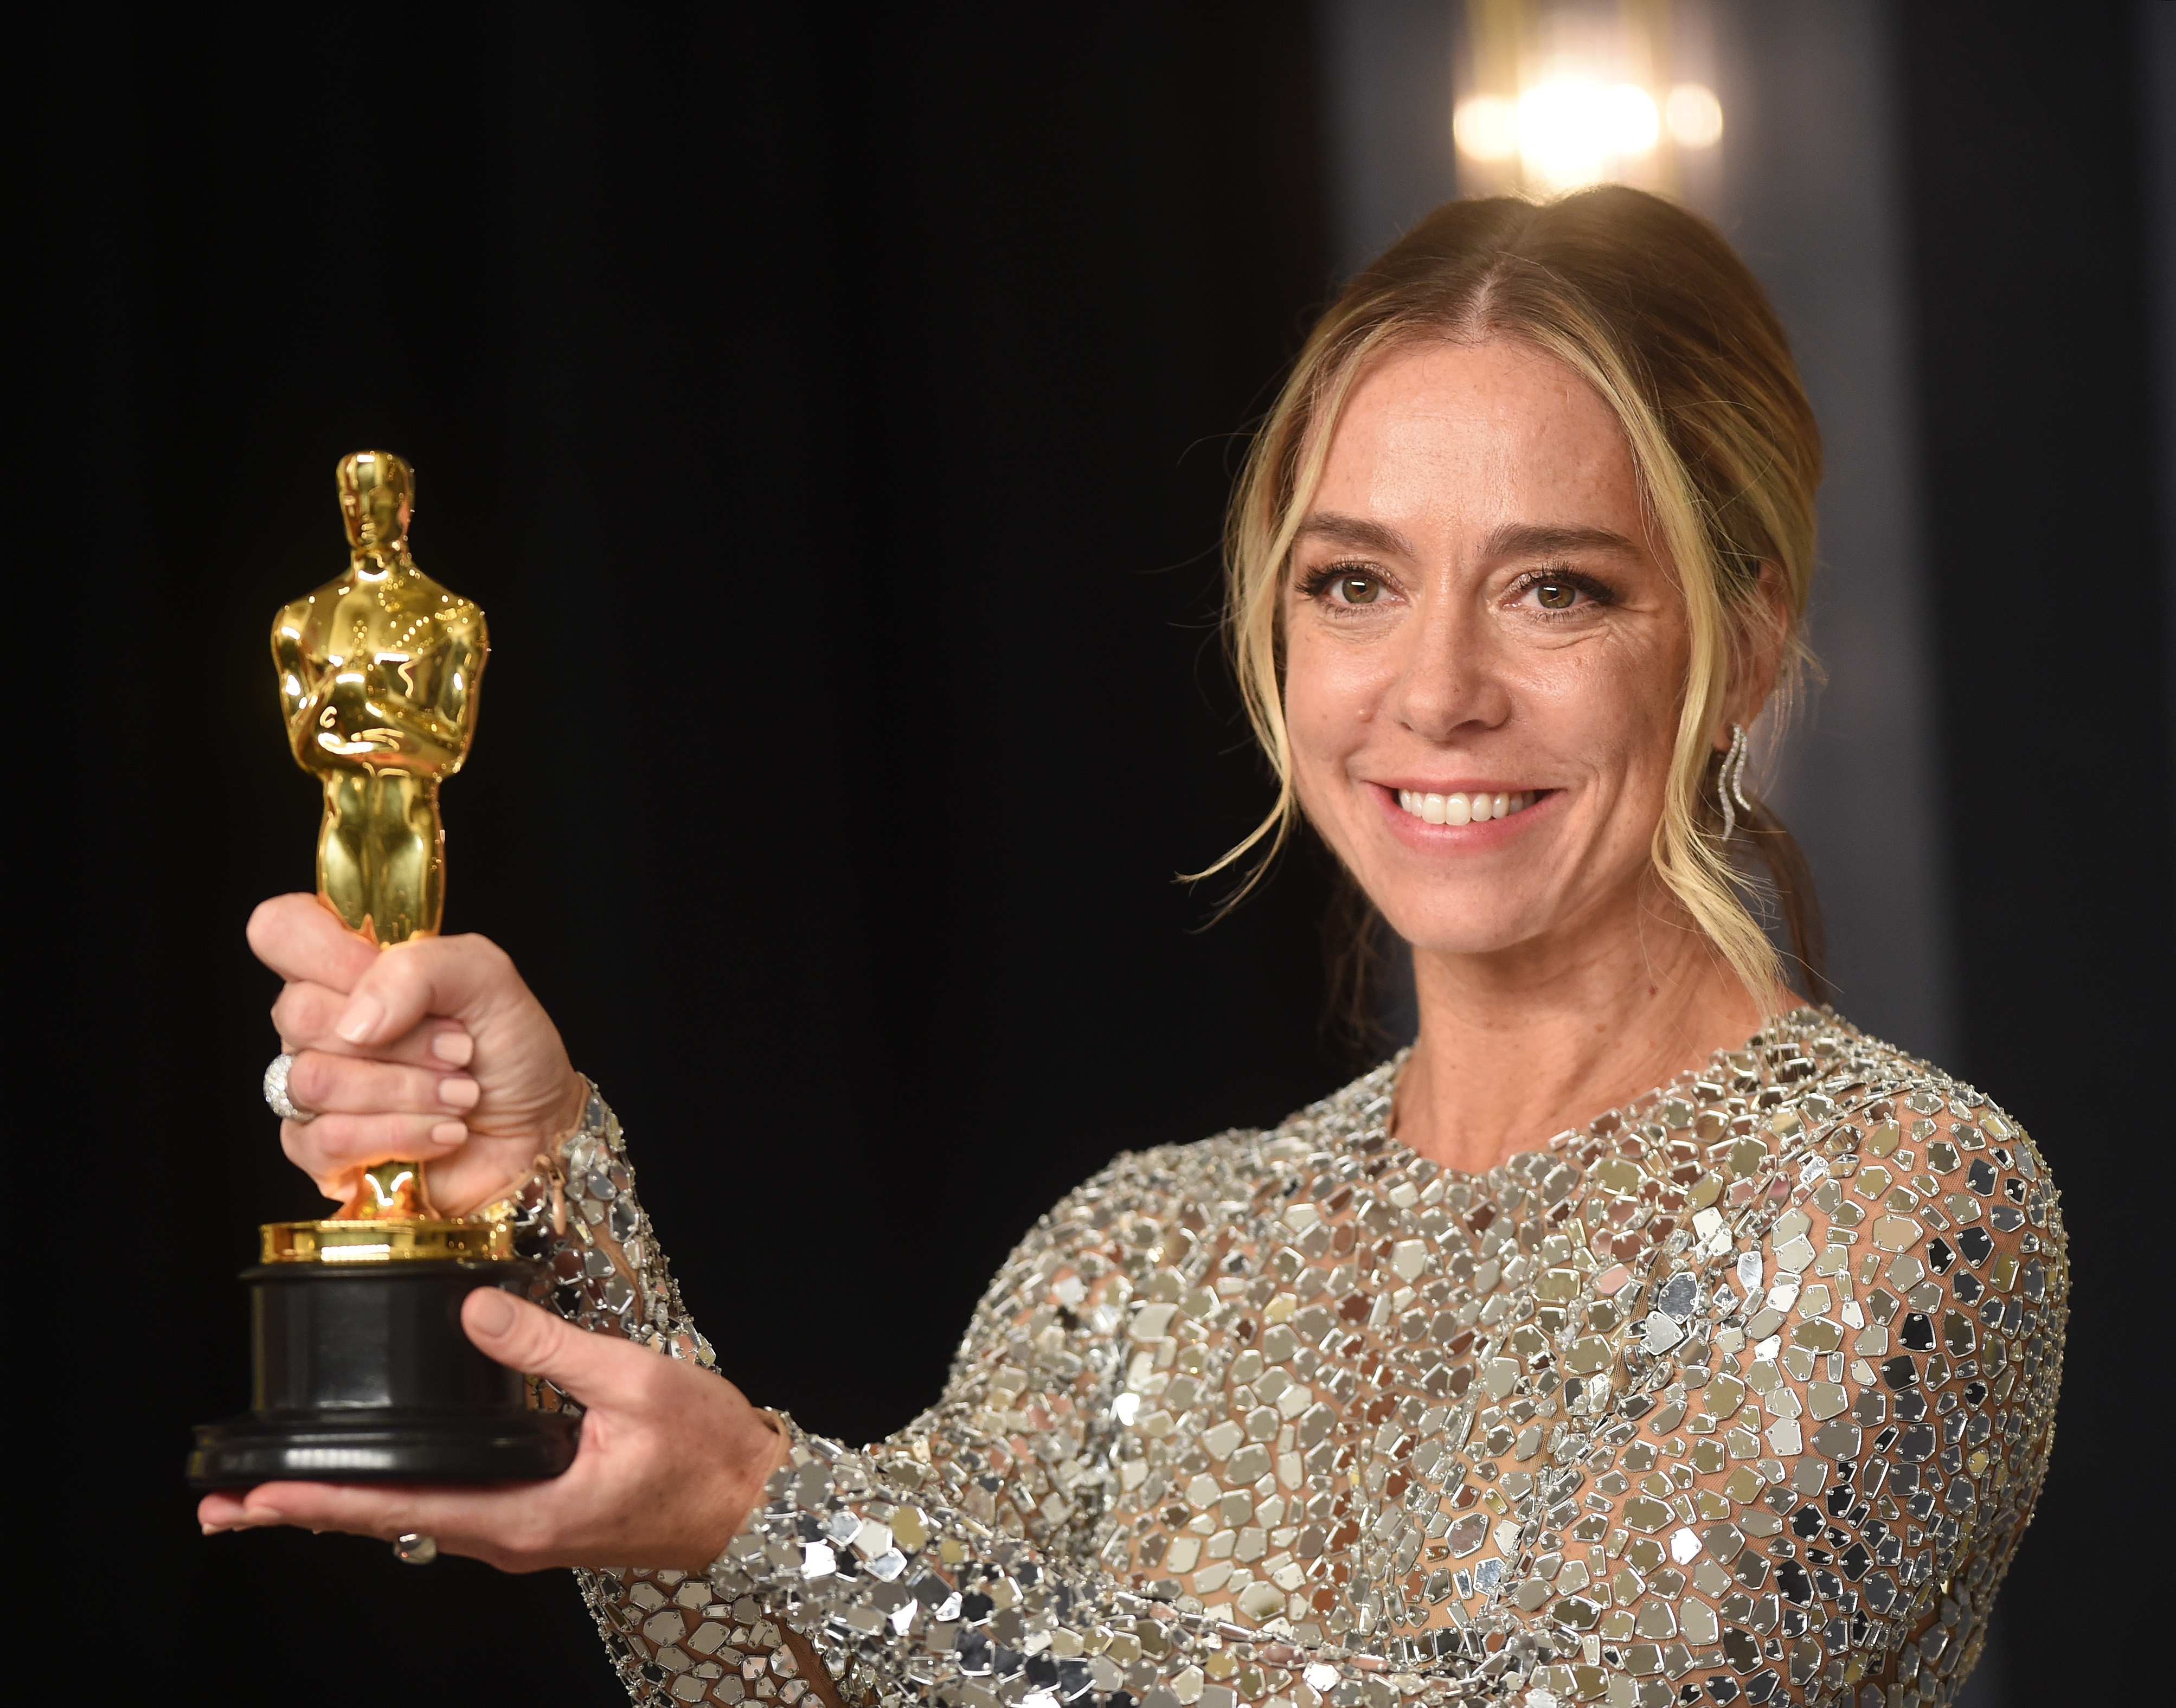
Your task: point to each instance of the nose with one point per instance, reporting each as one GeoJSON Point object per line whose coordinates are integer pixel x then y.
{"type": "Point", "coordinates": [1451, 676]}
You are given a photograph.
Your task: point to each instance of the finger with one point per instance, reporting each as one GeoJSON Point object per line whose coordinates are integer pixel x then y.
{"type": "Point", "coordinates": [460, 1520]}
{"type": "Point", "coordinates": [329, 1085]}
{"type": "Point", "coordinates": [224, 1510]}
{"type": "Point", "coordinates": [332, 1146]}
{"type": "Point", "coordinates": [468, 977]}
{"type": "Point", "coordinates": [308, 1014]}
{"type": "Point", "coordinates": [598, 1369]}
{"type": "Point", "coordinates": [298, 938]}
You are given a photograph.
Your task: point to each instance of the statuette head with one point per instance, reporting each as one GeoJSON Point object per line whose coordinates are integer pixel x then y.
{"type": "Point", "coordinates": [376, 495]}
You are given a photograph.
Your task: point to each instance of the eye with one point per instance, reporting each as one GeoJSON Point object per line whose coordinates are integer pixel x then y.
{"type": "Point", "coordinates": [1346, 586]}
{"type": "Point", "coordinates": [1561, 592]}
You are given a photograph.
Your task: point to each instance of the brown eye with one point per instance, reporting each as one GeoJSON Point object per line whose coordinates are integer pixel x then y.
{"type": "Point", "coordinates": [1359, 590]}
{"type": "Point", "coordinates": [1555, 596]}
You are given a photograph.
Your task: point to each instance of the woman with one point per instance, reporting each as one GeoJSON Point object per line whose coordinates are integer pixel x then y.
{"type": "Point", "coordinates": [1501, 1372]}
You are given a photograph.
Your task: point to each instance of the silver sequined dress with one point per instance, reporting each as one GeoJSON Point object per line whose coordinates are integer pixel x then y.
{"type": "Point", "coordinates": [1743, 1393]}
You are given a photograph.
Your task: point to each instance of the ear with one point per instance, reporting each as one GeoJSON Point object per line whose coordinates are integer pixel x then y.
{"type": "Point", "coordinates": [1762, 636]}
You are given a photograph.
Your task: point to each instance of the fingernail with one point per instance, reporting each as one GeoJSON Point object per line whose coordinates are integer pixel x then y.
{"type": "Point", "coordinates": [459, 1091]}
{"type": "Point", "coordinates": [492, 1312]}
{"type": "Point", "coordinates": [262, 1515]}
{"type": "Point", "coordinates": [455, 1049]}
{"type": "Point", "coordinates": [361, 1019]}
{"type": "Point", "coordinates": [449, 1131]}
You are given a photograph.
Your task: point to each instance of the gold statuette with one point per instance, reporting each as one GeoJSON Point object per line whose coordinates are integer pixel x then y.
{"type": "Point", "coordinates": [378, 673]}
{"type": "Point", "coordinates": [360, 1370]}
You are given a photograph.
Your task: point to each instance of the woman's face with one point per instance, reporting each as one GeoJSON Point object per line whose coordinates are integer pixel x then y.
{"type": "Point", "coordinates": [1476, 609]}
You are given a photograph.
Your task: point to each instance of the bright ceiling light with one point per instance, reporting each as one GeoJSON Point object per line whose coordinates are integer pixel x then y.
{"type": "Point", "coordinates": [1486, 127]}
{"type": "Point", "coordinates": [1695, 116]}
{"type": "Point", "coordinates": [1570, 131]}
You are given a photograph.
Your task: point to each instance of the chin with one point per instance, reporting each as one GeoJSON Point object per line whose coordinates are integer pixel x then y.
{"type": "Point", "coordinates": [1471, 928]}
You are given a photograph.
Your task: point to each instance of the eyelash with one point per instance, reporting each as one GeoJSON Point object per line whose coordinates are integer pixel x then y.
{"type": "Point", "coordinates": [1317, 582]}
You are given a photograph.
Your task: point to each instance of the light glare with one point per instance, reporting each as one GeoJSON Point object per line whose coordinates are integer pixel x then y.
{"type": "Point", "coordinates": [1569, 131]}
{"type": "Point", "coordinates": [1695, 116]}
{"type": "Point", "coordinates": [1486, 127]}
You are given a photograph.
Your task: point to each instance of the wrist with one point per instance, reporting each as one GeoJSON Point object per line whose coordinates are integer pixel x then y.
{"type": "Point", "coordinates": [762, 1444]}
{"type": "Point", "coordinates": [769, 1446]}
{"type": "Point", "coordinates": [573, 1114]}
{"type": "Point", "coordinates": [540, 1186]}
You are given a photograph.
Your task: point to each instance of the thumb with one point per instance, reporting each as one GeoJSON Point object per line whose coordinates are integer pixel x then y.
{"type": "Point", "coordinates": [595, 1368]}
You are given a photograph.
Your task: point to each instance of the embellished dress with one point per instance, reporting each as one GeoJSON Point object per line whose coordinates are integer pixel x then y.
{"type": "Point", "coordinates": [1743, 1393]}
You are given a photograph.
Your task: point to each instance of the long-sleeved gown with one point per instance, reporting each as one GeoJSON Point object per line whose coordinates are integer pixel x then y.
{"type": "Point", "coordinates": [1743, 1392]}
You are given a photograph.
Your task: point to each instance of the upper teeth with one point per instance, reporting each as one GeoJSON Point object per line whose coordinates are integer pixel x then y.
{"type": "Point", "coordinates": [1463, 809]}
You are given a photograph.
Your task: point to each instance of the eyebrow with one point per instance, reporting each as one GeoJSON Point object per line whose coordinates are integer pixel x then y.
{"type": "Point", "coordinates": [1512, 540]}
{"type": "Point", "coordinates": [1355, 531]}
{"type": "Point", "coordinates": [1523, 539]}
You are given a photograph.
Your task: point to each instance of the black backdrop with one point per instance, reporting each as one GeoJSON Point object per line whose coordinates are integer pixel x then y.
{"type": "Point", "coordinates": [2028, 184]}
{"type": "Point", "coordinates": [835, 420]}
{"type": "Point", "coordinates": [836, 427]}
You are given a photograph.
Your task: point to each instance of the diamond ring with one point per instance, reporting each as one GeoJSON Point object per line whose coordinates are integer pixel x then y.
{"type": "Point", "coordinates": [275, 1092]}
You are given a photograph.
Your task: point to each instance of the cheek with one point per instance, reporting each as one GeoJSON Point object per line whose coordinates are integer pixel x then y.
{"type": "Point", "coordinates": [1616, 707]}
{"type": "Point", "coordinates": [1331, 695]}
{"type": "Point", "coordinates": [1330, 702]}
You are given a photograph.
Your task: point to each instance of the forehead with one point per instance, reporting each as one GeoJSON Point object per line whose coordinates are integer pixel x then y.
{"type": "Point", "coordinates": [1466, 435]}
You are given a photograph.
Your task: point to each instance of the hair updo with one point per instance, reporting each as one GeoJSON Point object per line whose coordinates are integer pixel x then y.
{"type": "Point", "coordinates": [1649, 304]}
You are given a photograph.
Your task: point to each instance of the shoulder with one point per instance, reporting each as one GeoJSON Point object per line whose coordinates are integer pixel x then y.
{"type": "Point", "coordinates": [1889, 1145]}
{"type": "Point", "coordinates": [1872, 1181]}
{"type": "Point", "coordinates": [426, 595]}
{"type": "Point", "coordinates": [291, 619]}
{"type": "Point", "coordinates": [1163, 1220]}
{"type": "Point", "coordinates": [1239, 1171]}
{"type": "Point", "coordinates": [457, 616]}
{"type": "Point", "coordinates": [1239, 1180]}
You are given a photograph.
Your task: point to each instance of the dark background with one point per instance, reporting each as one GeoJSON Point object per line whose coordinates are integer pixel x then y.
{"type": "Point", "coordinates": [835, 420]}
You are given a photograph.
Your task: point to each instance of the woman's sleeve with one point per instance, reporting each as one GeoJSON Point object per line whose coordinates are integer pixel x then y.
{"type": "Point", "coordinates": [967, 1558]}
{"type": "Point", "coordinates": [580, 1218]}
{"type": "Point", "coordinates": [972, 1558]}
{"type": "Point", "coordinates": [1822, 1503]}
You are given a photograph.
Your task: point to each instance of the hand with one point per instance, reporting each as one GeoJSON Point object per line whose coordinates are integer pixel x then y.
{"type": "Point", "coordinates": [432, 1050]}
{"type": "Point", "coordinates": [672, 1460]}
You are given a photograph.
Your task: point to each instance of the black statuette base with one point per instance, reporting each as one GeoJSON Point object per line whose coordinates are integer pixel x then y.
{"type": "Point", "coordinates": [241, 1452]}
{"type": "Point", "coordinates": [361, 1373]}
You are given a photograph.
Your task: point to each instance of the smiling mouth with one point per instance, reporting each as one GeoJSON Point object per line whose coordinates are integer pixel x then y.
{"type": "Point", "coordinates": [1475, 808]}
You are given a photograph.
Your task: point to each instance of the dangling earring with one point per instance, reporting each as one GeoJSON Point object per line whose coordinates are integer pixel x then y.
{"type": "Point", "coordinates": [1731, 781]}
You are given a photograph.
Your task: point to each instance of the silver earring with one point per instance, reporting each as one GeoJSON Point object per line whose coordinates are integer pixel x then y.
{"type": "Point", "coordinates": [1731, 782]}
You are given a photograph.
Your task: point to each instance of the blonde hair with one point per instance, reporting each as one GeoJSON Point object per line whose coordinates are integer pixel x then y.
{"type": "Point", "coordinates": [1648, 304]}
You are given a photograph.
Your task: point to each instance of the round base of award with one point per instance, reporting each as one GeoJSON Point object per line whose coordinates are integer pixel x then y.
{"type": "Point", "coordinates": [425, 1448]}
{"type": "Point", "coordinates": [361, 1372]}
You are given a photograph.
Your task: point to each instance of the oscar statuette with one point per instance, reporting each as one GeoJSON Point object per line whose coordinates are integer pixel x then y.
{"type": "Point", "coordinates": [360, 1370]}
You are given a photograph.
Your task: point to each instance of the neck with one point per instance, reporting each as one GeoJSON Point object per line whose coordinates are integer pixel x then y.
{"type": "Point", "coordinates": [1518, 1046]}
{"type": "Point", "coordinates": [379, 560]}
